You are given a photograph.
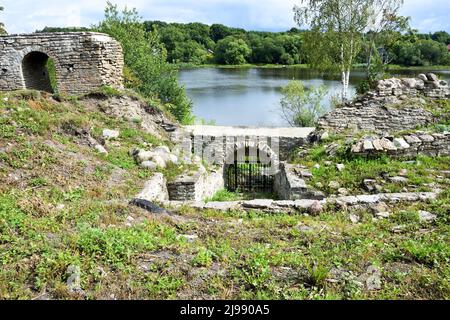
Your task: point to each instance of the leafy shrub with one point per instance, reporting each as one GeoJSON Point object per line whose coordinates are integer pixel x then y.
{"type": "Point", "coordinates": [301, 106]}
{"type": "Point", "coordinates": [145, 60]}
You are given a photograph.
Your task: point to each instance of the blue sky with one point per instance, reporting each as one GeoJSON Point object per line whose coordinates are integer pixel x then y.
{"type": "Point", "coordinates": [275, 15]}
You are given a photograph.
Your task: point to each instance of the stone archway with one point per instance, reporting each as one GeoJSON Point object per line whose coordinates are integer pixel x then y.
{"type": "Point", "coordinates": [83, 61]}
{"type": "Point", "coordinates": [35, 73]}
{"type": "Point", "coordinates": [250, 167]}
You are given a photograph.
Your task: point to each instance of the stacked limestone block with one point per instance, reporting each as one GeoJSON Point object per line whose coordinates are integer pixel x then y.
{"type": "Point", "coordinates": [411, 145]}
{"type": "Point", "coordinates": [395, 105]}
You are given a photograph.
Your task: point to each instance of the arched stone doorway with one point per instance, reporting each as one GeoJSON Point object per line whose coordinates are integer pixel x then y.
{"type": "Point", "coordinates": [36, 74]}
{"type": "Point", "coordinates": [250, 168]}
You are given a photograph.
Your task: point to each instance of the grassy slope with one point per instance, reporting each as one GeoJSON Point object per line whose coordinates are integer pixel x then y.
{"type": "Point", "coordinates": [63, 204]}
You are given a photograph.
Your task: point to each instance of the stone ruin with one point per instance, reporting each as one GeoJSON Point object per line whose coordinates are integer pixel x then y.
{"type": "Point", "coordinates": [405, 146]}
{"type": "Point", "coordinates": [83, 61]}
{"type": "Point", "coordinates": [395, 105]}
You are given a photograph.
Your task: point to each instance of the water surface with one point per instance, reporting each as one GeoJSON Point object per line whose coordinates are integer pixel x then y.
{"type": "Point", "coordinates": [250, 97]}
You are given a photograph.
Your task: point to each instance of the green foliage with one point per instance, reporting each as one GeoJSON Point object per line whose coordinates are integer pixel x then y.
{"type": "Point", "coordinates": [420, 53]}
{"type": "Point", "coordinates": [197, 43]}
{"type": "Point", "coordinates": [204, 258]}
{"type": "Point", "coordinates": [232, 51]}
{"type": "Point", "coordinates": [301, 106]}
{"type": "Point", "coordinates": [51, 69]}
{"type": "Point", "coordinates": [317, 274]}
{"type": "Point", "coordinates": [145, 59]}
{"type": "Point", "coordinates": [225, 195]}
{"type": "Point", "coordinates": [254, 270]}
{"type": "Point", "coordinates": [2, 25]}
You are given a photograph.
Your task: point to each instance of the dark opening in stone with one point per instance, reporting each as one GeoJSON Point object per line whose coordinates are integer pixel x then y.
{"type": "Point", "coordinates": [35, 71]}
{"type": "Point", "coordinates": [250, 172]}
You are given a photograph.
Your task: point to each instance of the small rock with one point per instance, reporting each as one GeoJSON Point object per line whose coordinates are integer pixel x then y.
{"type": "Point", "coordinates": [332, 149]}
{"type": "Point", "coordinates": [159, 161]}
{"type": "Point", "coordinates": [340, 167]}
{"type": "Point", "coordinates": [377, 145]}
{"type": "Point", "coordinates": [343, 192]}
{"type": "Point", "coordinates": [369, 184]}
{"type": "Point", "coordinates": [305, 174]}
{"type": "Point", "coordinates": [303, 228]}
{"type": "Point", "coordinates": [150, 165]}
{"type": "Point", "coordinates": [422, 77]}
{"type": "Point", "coordinates": [354, 218]}
{"type": "Point", "coordinates": [155, 189]}
{"type": "Point", "coordinates": [317, 166]}
{"type": "Point", "coordinates": [319, 185]}
{"type": "Point", "coordinates": [325, 135]}
{"type": "Point", "coordinates": [426, 216]}
{"type": "Point", "coordinates": [432, 77]}
{"type": "Point", "coordinates": [110, 134]}
{"type": "Point", "coordinates": [387, 145]}
{"type": "Point", "coordinates": [143, 155]}
{"type": "Point", "coordinates": [373, 281]}
{"type": "Point", "coordinates": [379, 207]}
{"type": "Point", "coordinates": [358, 147]}
{"type": "Point", "coordinates": [74, 280]}
{"type": "Point", "coordinates": [367, 145]}
{"type": "Point", "coordinates": [334, 185]}
{"type": "Point", "coordinates": [398, 229]}
{"type": "Point", "coordinates": [316, 208]}
{"type": "Point", "coordinates": [398, 179]}
{"type": "Point", "coordinates": [383, 215]}
{"type": "Point", "coordinates": [162, 149]}
{"type": "Point", "coordinates": [190, 237]}
{"type": "Point", "coordinates": [400, 143]}
{"type": "Point", "coordinates": [403, 173]}
{"type": "Point", "coordinates": [100, 149]}
{"type": "Point", "coordinates": [258, 204]}
{"type": "Point", "coordinates": [173, 158]}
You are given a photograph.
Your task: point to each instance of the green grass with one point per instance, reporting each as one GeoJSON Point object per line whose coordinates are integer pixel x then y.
{"type": "Point", "coordinates": [421, 171]}
{"type": "Point", "coordinates": [69, 207]}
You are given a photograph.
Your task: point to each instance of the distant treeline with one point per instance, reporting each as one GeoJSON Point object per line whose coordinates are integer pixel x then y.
{"type": "Point", "coordinates": [197, 43]}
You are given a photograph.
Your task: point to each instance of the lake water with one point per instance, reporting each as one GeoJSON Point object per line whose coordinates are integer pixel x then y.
{"type": "Point", "coordinates": [250, 97]}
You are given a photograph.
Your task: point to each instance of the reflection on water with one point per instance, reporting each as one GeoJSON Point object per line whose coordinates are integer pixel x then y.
{"type": "Point", "coordinates": [251, 97]}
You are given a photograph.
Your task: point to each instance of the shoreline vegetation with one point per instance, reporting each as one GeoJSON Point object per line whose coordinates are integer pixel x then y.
{"type": "Point", "coordinates": [186, 66]}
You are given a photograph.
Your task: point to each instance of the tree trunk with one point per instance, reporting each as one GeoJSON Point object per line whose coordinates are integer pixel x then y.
{"type": "Point", "coordinates": [344, 87]}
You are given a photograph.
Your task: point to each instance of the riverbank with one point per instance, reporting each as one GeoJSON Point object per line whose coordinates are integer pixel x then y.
{"type": "Point", "coordinates": [182, 66]}
{"type": "Point", "coordinates": [241, 66]}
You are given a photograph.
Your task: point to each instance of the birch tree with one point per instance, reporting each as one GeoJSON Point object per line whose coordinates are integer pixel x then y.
{"type": "Point", "coordinates": [336, 32]}
{"type": "Point", "coordinates": [384, 22]}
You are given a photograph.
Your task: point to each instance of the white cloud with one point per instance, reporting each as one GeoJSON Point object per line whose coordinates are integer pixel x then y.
{"type": "Point", "coordinates": [29, 15]}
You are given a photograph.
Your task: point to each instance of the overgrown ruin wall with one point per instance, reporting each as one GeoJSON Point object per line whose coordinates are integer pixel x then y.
{"type": "Point", "coordinates": [395, 105]}
{"type": "Point", "coordinates": [411, 145]}
{"type": "Point", "coordinates": [83, 61]}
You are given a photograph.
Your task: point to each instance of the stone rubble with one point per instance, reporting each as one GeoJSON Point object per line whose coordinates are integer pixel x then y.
{"type": "Point", "coordinates": [395, 105]}
{"type": "Point", "coordinates": [152, 159]}
{"type": "Point", "coordinates": [311, 206]}
{"type": "Point", "coordinates": [110, 134]}
{"type": "Point", "coordinates": [411, 145]}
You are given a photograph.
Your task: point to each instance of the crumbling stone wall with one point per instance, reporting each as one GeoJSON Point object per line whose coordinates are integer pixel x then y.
{"type": "Point", "coordinates": [198, 187]}
{"type": "Point", "coordinates": [395, 105]}
{"type": "Point", "coordinates": [83, 61]}
{"type": "Point", "coordinates": [411, 145]}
